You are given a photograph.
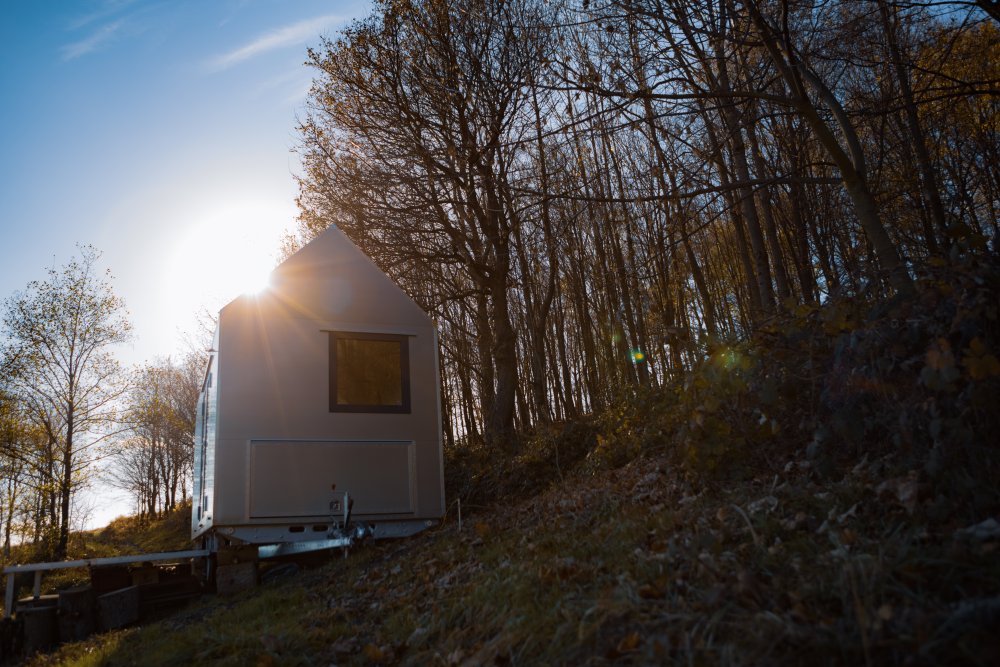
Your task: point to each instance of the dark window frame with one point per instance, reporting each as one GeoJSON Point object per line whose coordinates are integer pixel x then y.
{"type": "Point", "coordinates": [404, 366]}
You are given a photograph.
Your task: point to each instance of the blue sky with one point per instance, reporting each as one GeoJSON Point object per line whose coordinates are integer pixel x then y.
{"type": "Point", "coordinates": [161, 133]}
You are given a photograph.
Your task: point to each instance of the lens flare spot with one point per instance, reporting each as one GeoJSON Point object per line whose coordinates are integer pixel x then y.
{"type": "Point", "coordinates": [638, 356]}
{"type": "Point", "coordinates": [730, 359]}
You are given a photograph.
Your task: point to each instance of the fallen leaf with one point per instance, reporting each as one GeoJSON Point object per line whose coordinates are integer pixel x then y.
{"type": "Point", "coordinates": [848, 514]}
{"type": "Point", "coordinates": [981, 532]}
{"type": "Point", "coordinates": [766, 504]}
{"type": "Point", "coordinates": [746, 584]}
{"type": "Point", "coordinates": [493, 652]}
{"type": "Point", "coordinates": [650, 592]}
{"type": "Point", "coordinates": [907, 492]}
{"type": "Point", "coordinates": [345, 645]}
{"type": "Point", "coordinates": [629, 643]}
{"type": "Point", "coordinates": [904, 490]}
{"type": "Point", "coordinates": [417, 637]}
{"type": "Point", "coordinates": [373, 653]}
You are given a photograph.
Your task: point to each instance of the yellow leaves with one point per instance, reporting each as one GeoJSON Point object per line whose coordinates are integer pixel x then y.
{"type": "Point", "coordinates": [799, 310]}
{"type": "Point", "coordinates": [731, 359]}
{"type": "Point", "coordinates": [838, 318]}
{"type": "Point", "coordinates": [939, 356]}
{"type": "Point", "coordinates": [979, 362]}
{"type": "Point", "coordinates": [941, 369]}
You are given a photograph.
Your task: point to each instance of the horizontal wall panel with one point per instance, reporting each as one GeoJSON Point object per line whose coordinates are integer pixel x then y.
{"type": "Point", "coordinates": [299, 478]}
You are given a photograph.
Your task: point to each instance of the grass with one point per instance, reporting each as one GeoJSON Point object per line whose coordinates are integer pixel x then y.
{"type": "Point", "coordinates": [168, 532]}
{"type": "Point", "coordinates": [626, 566]}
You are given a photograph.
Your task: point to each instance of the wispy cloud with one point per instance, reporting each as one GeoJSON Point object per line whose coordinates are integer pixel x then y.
{"type": "Point", "coordinates": [276, 39]}
{"type": "Point", "coordinates": [96, 40]}
{"type": "Point", "coordinates": [105, 9]}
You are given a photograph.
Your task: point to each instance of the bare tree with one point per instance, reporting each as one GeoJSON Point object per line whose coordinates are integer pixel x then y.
{"type": "Point", "coordinates": [590, 196]}
{"type": "Point", "coordinates": [413, 115]}
{"type": "Point", "coordinates": [154, 456]}
{"type": "Point", "coordinates": [61, 331]}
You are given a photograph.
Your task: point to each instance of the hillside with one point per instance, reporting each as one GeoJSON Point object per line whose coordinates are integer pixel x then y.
{"type": "Point", "coordinates": [168, 532]}
{"type": "Point", "coordinates": [125, 535]}
{"type": "Point", "coordinates": [824, 493]}
{"type": "Point", "coordinates": [624, 566]}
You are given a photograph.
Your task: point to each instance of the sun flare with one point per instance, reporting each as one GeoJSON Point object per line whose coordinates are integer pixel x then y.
{"type": "Point", "coordinates": [256, 281]}
{"type": "Point", "coordinates": [226, 252]}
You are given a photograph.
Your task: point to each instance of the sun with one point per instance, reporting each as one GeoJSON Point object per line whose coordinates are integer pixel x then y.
{"type": "Point", "coordinates": [223, 253]}
{"type": "Point", "coordinates": [256, 279]}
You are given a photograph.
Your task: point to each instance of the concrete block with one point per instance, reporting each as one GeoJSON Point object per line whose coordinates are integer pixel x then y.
{"type": "Point", "coordinates": [108, 578]}
{"type": "Point", "coordinates": [145, 575]}
{"type": "Point", "coordinates": [40, 628]}
{"type": "Point", "coordinates": [236, 555]}
{"type": "Point", "coordinates": [77, 613]}
{"type": "Point", "coordinates": [118, 608]}
{"type": "Point", "coordinates": [236, 577]}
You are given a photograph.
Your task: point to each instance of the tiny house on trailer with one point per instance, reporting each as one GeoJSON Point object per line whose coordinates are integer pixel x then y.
{"type": "Point", "coordinates": [320, 408]}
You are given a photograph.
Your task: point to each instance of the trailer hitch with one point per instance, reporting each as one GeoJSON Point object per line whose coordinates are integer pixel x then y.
{"type": "Point", "coordinates": [344, 529]}
{"type": "Point", "coordinates": [342, 533]}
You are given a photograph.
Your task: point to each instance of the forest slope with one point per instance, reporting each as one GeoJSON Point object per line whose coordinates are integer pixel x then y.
{"type": "Point", "coordinates": [824, 493]}
{"type": "Point", "coordinates": [624, 566]}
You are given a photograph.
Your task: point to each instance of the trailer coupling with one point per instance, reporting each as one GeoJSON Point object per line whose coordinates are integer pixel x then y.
{"type": "Point", "coordinates": [342, 533]}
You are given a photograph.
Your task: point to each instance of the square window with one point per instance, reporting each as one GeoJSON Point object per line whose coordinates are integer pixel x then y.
{"type": "Point", "coordinates": [369, 372]}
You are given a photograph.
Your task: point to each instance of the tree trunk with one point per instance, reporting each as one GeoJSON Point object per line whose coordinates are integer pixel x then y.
{"type": "Point", "coordinates": [852, 168]}
{"type": "Point", "coordinates": [66, 486]}
{"type": "Point", "coordinates": [928, 181]}
{"type": "Point", "coordinates": [738, 154]}
{"type": "Point", "coordinates": [500, 422]}
{"type": "Point", "coordinates": [767, 212]}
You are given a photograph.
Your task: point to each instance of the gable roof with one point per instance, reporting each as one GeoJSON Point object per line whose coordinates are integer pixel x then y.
{"type": "Point", "coordinates": [331, 279]}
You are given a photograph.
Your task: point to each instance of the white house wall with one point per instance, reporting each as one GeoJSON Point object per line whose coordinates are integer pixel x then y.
{"type": "Point", "coordinates": [274, 407]}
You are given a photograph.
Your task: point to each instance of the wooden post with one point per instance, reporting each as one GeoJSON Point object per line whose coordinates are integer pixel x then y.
{"type": "Point", "coordinates": [8, 606]}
